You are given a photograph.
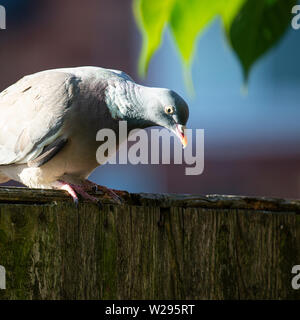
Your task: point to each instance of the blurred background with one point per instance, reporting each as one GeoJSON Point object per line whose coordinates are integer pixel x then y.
{"type": "Point", "coordinates": [252, 140]}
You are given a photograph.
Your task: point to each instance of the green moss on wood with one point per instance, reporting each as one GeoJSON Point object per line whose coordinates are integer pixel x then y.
{"type": "Point", "coordinates": [149, 249]}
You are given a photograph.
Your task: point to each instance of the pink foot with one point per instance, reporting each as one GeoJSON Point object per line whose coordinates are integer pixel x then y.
{"type": "Point", "coordinates": [70, 190]}
{"type": "Point", "coordinates": [73, 190]}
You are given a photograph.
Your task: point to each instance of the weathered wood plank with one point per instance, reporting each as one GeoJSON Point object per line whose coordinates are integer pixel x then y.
{"type": "Point", "coordinates": [40, 196]}
{"type": "Point", "coordinates": [151, 247]}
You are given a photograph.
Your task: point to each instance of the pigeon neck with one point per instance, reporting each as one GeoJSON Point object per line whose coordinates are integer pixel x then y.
{"type": "Point", "coordinates": [124, 99]}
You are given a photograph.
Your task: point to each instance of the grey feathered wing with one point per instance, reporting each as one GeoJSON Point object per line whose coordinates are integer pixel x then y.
{"type": "Point", "coordinates": [32, 114]}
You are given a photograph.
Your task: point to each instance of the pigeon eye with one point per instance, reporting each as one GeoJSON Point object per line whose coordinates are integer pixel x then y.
{"type": "Point", "coordinates": [169, 110]}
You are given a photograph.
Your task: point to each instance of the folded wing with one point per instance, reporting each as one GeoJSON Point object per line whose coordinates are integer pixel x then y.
{"type": "Point", "coordinates": [32, 113]}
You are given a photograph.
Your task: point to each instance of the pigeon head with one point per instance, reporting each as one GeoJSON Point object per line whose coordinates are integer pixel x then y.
{"type": "Point", "coordinates": [144, 107]}
{"type": "Point", "coordinates": [164, 107]}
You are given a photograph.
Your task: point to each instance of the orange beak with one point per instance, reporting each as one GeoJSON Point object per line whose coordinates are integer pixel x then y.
{"type": "Point", "coordinates": [181, 135]}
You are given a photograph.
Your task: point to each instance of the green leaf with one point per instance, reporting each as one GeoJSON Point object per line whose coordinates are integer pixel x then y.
{"type": "Point", "coordinates": [188, 20]}
{"type": "Point", "coordinates": [258, 27]}
{"type": "Point", "coordinates": [190, 17]}
{"type": "Point", "coordinates": [230, 10]}
{"type": "Point", "coordinates": [152, 16]}
{"type": "Point", "coordinates": [251, 26]}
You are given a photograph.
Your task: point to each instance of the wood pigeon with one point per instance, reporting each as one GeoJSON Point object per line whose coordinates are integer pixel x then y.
{"type": "Point", "coordinates": [49, 121]}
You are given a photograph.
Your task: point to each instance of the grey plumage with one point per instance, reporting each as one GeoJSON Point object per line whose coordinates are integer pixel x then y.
{"type": "Point", "coordinates": [49, 121]}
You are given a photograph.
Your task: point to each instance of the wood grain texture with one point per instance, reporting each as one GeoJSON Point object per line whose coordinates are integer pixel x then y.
{"type": "Point", "coordinates": [151, 247]}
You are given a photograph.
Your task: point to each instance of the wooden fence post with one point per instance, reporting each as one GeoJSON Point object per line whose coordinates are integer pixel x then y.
{"type": "Point", "coordinates": [151, 247]}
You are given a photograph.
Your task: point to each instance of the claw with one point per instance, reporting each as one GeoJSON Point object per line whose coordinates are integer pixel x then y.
{"type": "Point", "coordinates": [100, 205]}
{"type": "Point", "coordinates": [76, 202]}
{"type": "Point", "coordinates": [95, 188]}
